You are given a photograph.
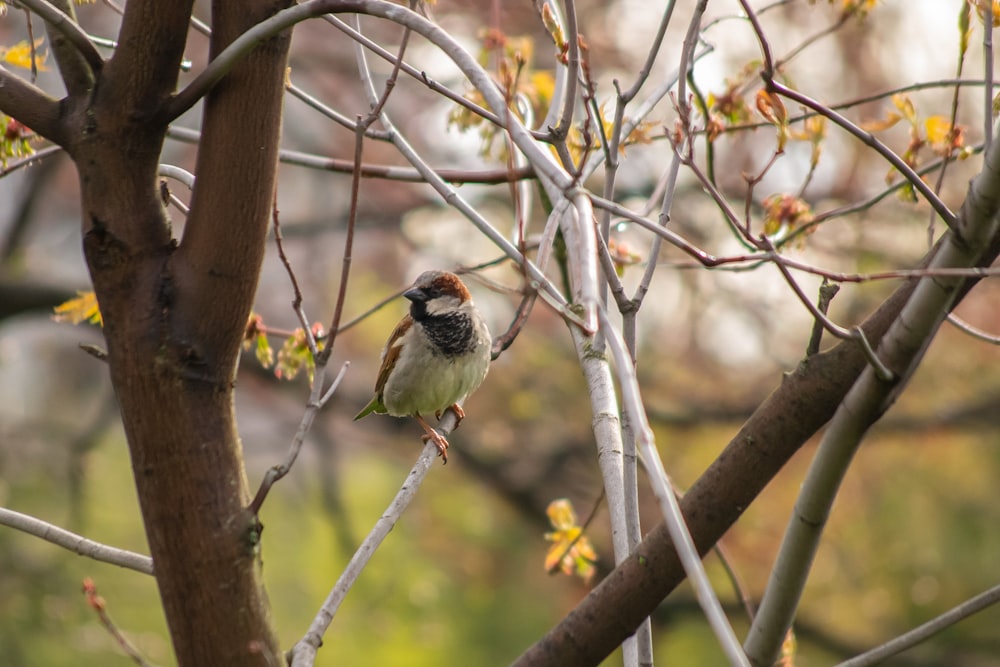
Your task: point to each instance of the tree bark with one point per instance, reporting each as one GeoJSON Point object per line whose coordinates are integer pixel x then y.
{"type": "Point", "coordinates": [804, 401]}
{"type": "Point", "coordinates": [175, 312]}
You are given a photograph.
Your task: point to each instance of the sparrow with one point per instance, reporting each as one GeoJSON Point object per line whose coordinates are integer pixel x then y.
{"type": "Point", "coordinates": [436, 357]}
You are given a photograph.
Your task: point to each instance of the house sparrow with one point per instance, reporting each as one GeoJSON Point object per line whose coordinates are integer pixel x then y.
{"type": "Point", "coordinates": [436, 356]}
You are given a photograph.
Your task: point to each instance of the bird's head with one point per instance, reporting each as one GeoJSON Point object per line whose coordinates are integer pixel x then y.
{"type": "Point", "coordinates": [437, 293]}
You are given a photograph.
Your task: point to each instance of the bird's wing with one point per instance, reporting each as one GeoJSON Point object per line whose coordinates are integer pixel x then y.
{"type": "Point", "coordinates": [389, 357]}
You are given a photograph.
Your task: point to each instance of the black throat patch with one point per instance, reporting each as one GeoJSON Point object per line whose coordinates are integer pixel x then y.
{"type": "Point", "coordinates": [451, 334]}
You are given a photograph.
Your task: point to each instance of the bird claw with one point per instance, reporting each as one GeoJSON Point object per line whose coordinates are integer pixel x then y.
{"type": "Point", "coordinates": [439, 440]}
{"type": "Point", "coordinates": [457, 409]}
{"type": "Point", "coordinates": [441, 443]}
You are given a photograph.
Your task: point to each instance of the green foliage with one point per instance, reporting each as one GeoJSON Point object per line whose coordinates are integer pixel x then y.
{"type": "Point", "coordinates": [14, 140]}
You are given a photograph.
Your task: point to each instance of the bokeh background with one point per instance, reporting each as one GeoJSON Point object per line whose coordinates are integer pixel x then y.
{"type": "Point", "coordinates": [460, 580]}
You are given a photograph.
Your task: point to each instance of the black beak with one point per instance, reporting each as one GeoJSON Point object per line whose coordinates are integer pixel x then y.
{"type": "Point", "coordinates": [416, 294]}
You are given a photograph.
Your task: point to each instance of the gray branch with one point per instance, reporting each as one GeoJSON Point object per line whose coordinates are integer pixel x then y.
{"type": "Point", "coordinates": [76, 543]}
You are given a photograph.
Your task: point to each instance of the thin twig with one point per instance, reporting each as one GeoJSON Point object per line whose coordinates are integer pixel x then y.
{"type": "Point", "coordinates": [419, 75]}
{"type": "Point", "coordinates": [303, 653]}
{"type": "Point", "coordinates": [988, 114]}
{"type": "Point", "coordinates": [687, 552]}
{"type": "Point", "coordinates": [560, 131]}
{"type": "Point", "coordinates": [388, 172]}
{"type": "Point", "coordinates": [68, 29]}
{"type": "Point", "coordinates": [870, 140]}
{"type": "Point", "coordinates": [827, 291]}
{"type": "Point", "coordinates": [296, 291]}
{"type": "Point", "coordinates": [866, 204]}
{"type": "Point", "coordinates": [923, 632]}
{"type": "Point", "coordinates": [767, 74]}
{"type": "Point", "coordinates": [506, 339]}
{"type": "Point", "coordinates": [29, 160]}
{"type": "Point", "coordinates": [99, 605]}
{"type": "Point", "coordinates": [317, 399]}
{"type": "Point", "coordinates": [975, 332]}
{"type": "Point", "coordinates": [76, 543]}
{"type": "Point", "coordinates": [317, 396]}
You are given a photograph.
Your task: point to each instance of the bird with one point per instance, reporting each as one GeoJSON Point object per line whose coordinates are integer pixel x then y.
{"type": "Point", "coordinates": [437, 355]}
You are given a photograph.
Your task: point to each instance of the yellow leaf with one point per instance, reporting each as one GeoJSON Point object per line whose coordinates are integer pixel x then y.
{"type": "Point", "coordinates": [83, 308]}
{"type": "Point", "coordinates": [771, 107]}
{"type": "Point", "coordinates": [816, 127]}
{"type": "Point", "coordinates": [571, 551]}
{"type": "Point", "coordinates": [784, 212]}
{"type": "Point", "coordinates": [544, 84]}
{"type": "Point", "coordinates": [553, 27]}
{"type": "Point", "coordinates": [938, 129]}
{"type": "Point", "coordinates": [561, 514]}
{"type": "Point", "coordinates": [905, 106]}
{"type": "Point", "coordinates": [789, 649]}
{"type": "Point", "coordinates": [994, 7]}
{"type": "Point", "coordinates": [881, 125]}
{"type": "Point", "coordinates": [859, 7]}
{"type": "Point", "coordinates": [19, 55]}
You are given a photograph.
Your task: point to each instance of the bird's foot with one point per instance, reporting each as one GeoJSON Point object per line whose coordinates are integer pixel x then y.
{"type": "Point", "coordinates": [457, 409]}
{"type": "Point", "coordinates": [432, 435]}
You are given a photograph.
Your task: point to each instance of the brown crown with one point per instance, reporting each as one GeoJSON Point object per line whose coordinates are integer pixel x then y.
{"type": "Point", "coordinates": [445, 282]}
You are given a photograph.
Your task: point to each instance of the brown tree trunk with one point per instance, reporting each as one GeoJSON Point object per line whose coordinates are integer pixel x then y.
{"type": "Point", "coordinates": [796, 410]}
{"type": "Point", "coordinates": [175, 312]}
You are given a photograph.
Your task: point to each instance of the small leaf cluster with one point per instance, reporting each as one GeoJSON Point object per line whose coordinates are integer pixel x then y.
{"type": "Point", "coordinates": [571, 551]}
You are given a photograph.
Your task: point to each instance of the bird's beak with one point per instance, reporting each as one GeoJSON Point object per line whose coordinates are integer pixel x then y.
{"type": "Point", "coordinates": [415, 294]}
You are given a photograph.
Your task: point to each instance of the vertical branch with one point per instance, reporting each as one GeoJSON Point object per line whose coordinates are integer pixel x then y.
{"type": "Point", "coordinates": [175, 314]}
{"type": "Point", "coordinates": [220, 255]}
{"type": "Point", "coordinates": [79, 62]}
{"type": "Point", "coordinates": [607, 433]}
{"type": "Point", "coordinates": [988, 114]}
{"type": "Point", "coordinates": [679, 534]}
{"type": "Point", "coordinates": [901, 350]}
{"type": "Point", "coordinates": [560, 131]}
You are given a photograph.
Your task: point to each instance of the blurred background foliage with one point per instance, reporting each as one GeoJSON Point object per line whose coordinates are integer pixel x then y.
{"type": "Point", "coordinates": [461, 581]}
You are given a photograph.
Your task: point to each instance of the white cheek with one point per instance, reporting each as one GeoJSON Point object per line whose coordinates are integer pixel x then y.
{"type": "Point", "coordinates": [442, 304]}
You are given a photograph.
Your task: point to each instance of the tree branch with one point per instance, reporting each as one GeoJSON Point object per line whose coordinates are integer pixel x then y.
{"type": "Point", "coordinates": [76, 543]}
{"type": "Point", "coordinates": [923, 632]}
{"type": "Point", "coordinates": [253, 37]}
{"type": "Point", "coordinates": [218, 261]}
{"type": "Point", "coordinates": [385, 171]}
{"type": "Point", "coordinates": [63, 24]}
{"type": "Point", "coordinates": [767, 440]}
{"type": "Point", "coordinates": [30, 105]}
{"type": "Point", "coordinates": [142, 78]}
{"type": "Point", "coordinates": [304, 651]}
{"type": "Point", "coordinates": [663, 489]}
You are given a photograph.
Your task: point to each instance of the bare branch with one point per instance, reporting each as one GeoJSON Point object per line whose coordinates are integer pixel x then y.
{"type": "Point", "coordinates": [388, 172]}
{"type": "Point", "coordinates": [317, 399]}
{"type": "Point", "coordinates": [76, 543]}
{"type": "Point", "coordinates": [901, 350]}
{"type": "Point", "coordinates": [30, 105]}
{"type": "Point", "coordinates": [431, 84]}
{"type": "Point", "coordinates": [304, 651]}
{"type": "Point", "coordinates": [679, 534]}
{"type": "Point", "coordinates": [98, 604]}
{"type": "Point", "coordinates": [923, 632]}
{"type": "Point", "coordinates": [66, 26]}
{"type": "Point", "coordinates": [560, 131]}
{"type": "Point", "coordinates": [767, 74]}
